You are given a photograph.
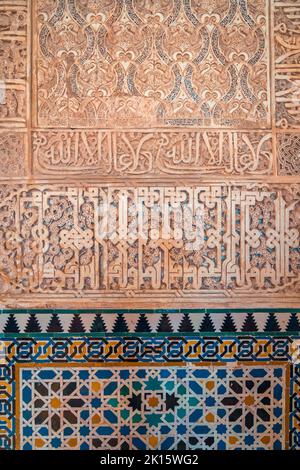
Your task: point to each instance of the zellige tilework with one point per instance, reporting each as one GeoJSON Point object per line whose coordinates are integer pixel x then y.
{"type": "Point", "coordinates": [152, 408]}
{"type": "Point", "coordinates": [144, 322]}
{"type": "Point", "coordinates": [149, 224]}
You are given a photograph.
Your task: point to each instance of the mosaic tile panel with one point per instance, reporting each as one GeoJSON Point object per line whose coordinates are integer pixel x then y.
{"type": "Point", "coordinates": [246, 354]}
{"type": "Point", "coordinates": [151, 408]}
{"type": "Point", "coordinates": [129, 63]}
{"type": "Point", "coordinates": [186, 110]}
{"type": "Point", "coordinates": [295, 404]}
{"type": "Point", "coordinates": [159, 349]}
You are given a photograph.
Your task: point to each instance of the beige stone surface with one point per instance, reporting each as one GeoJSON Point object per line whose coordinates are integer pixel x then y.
{"type": "Point", "coordinates": [165, 108]}
{"type": "Point", "coordinates": [103, 64]}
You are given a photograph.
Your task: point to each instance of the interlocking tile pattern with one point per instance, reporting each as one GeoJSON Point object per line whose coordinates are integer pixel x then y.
{"type": "Point", "coordinates": [257, 374]}
{"type": "Point", "coordinates": [187, 112]}
{"type": "Point", "coordinates": [153, 408]}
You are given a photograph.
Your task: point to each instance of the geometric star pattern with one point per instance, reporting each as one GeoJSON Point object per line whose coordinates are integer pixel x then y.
{"type": "Point", "coordinates": [180, 104]}
{"type": "Point", "coordinates": [146, 407]}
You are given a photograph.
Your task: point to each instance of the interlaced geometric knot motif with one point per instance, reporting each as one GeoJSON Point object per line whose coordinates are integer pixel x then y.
{"type": "Point", "coordinates": [155, 408]}
{"type": "Point", "coordinates": [63, 250]}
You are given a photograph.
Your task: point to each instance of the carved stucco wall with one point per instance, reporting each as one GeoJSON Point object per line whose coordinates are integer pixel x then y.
{"type": "Point", "coordinates": [149, 108]}
{"type": "Point", "coordinates": [186, 102]}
